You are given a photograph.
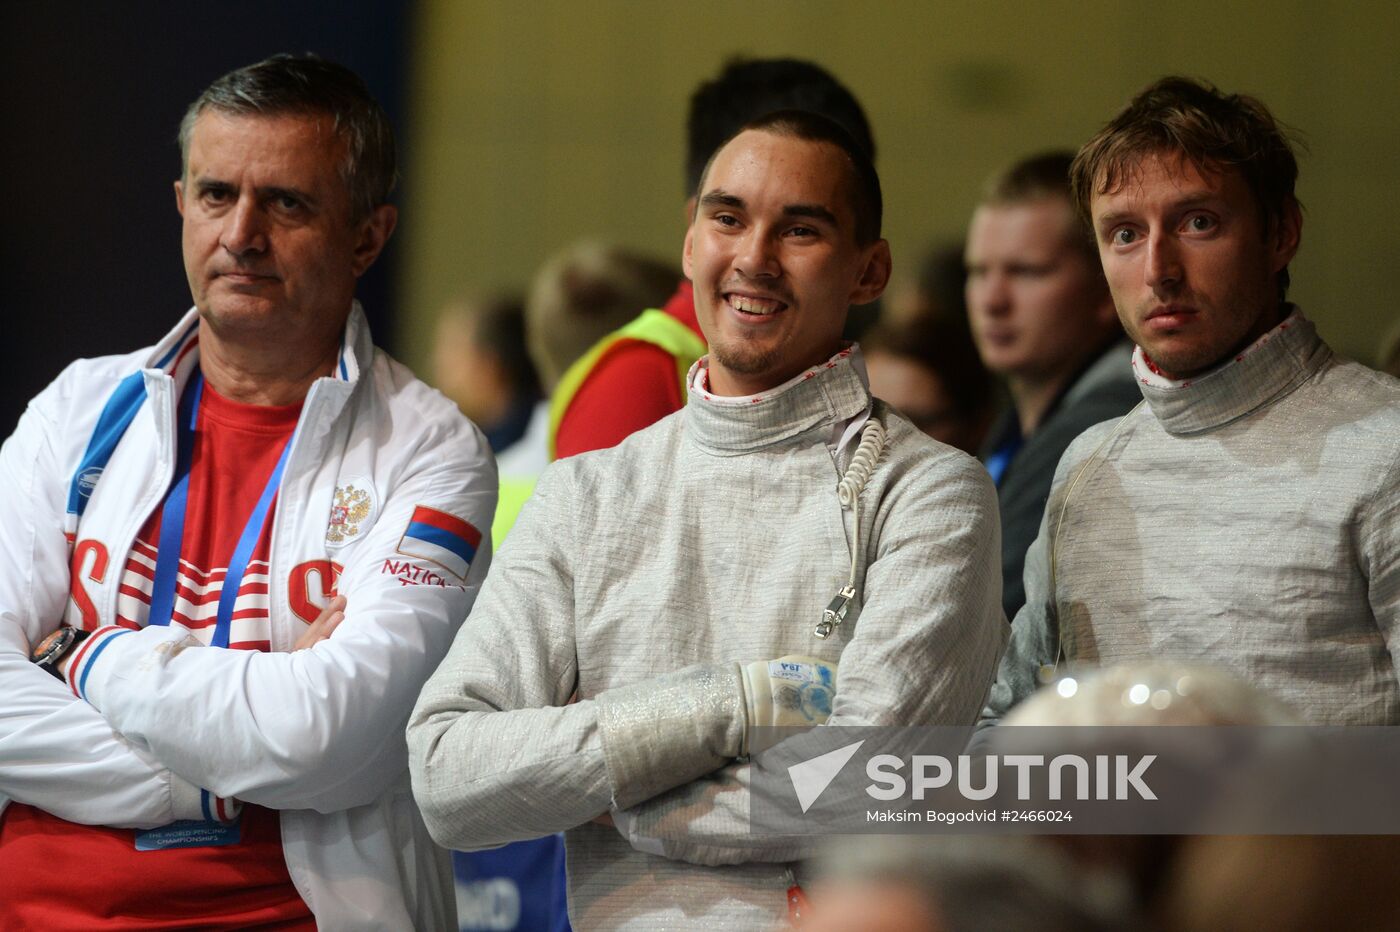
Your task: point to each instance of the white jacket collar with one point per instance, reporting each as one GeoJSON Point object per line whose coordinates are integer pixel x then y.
{"type": "Point", "coordinates": [172, 355]}
{"type": "Point", "coordinates": [830, 393]}
{"type": "Point", "coordinates": [1270, 367]}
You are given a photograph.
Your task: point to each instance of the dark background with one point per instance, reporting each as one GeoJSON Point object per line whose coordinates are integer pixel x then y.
{"type": "Point", "coordinates": [92, 98]}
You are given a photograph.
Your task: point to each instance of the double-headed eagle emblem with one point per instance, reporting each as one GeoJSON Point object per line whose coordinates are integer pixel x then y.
{"type": "Point", "coordinates": [351, 507]}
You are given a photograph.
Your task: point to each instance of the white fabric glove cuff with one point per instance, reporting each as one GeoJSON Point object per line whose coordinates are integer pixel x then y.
{"type": "Point", "coordinates": [792, 691]}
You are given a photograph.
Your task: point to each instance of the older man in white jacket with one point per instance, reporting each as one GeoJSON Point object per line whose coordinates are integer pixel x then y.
{"type": "Point", "coordinates": [239, 553]}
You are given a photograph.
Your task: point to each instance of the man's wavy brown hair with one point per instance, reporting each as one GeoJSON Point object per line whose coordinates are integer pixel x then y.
{"type": "Point", "coordinates": [1195, 121]}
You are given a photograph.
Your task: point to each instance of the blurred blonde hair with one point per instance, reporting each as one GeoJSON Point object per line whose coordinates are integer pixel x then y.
{"type": "Point", "coordinates": [1162, 693]}
{"type": "Point", "coordinates": [582, 294]}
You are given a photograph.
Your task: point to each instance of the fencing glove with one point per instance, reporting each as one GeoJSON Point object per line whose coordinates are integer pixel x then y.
{"type": "Point", "coordinates": [792, 691]}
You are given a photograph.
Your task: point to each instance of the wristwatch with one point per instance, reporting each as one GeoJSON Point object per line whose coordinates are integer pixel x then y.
{"type": "Point", "coordinates": [56, 646]}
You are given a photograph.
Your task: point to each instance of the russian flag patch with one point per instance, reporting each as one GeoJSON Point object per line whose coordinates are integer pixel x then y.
{"type": "Point", "coordinates": [441, 538]}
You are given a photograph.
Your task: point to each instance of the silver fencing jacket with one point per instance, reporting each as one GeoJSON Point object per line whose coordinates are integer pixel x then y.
{"type": "Point", "coordinates": [1246, 519]}
{"type": "Point", "coordinates": [640, 578]}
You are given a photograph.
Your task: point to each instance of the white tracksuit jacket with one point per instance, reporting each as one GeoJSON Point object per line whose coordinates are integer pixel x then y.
{"type": "Point", "coordinates": [319, 733]}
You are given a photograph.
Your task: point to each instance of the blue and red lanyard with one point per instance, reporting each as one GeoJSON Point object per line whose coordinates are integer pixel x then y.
{"type": "Point", "coordinates": [116, 417]}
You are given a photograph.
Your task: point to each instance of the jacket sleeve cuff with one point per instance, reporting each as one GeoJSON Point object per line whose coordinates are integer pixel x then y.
{"type": "Point", "coordinates": [85, 661]}
{"type": "Point", "coordinates": [661, 733]}
{"type": "Point", "coordinates": [113, 653]}
{"type": "Point", "coordinates": [189, 802]}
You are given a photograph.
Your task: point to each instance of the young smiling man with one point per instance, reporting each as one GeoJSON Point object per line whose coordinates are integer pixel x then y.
{"type": "Point", "coordinates": [660, 581]}
{"type": "Point", "coordinates": [774, 279]}
{"type": "Point", "coordinates": [636, 375]}
{"type": "Point", "coordinates": [1246, 515]}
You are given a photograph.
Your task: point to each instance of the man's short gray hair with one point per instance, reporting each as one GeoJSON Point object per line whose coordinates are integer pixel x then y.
{"type": "Point", "coordinates": [308, 84]}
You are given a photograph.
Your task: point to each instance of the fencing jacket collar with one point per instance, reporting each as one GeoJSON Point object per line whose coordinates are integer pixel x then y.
{"type": "Point", "coordinates": [833, 392]}
{"type": "Point", "coordinates": [1268, 369]}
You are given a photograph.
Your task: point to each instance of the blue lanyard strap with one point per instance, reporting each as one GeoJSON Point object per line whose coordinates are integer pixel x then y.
{"type": "Point", "coordinates": [243, 553]}
{"type": "Point", "coordinates": [117, 414]}
{"type": "Point", "coordinates": [172, 515]}
{"type": "Point", "coordinates": [116, 417]}
{"type": "Point", "coordinates": [172, 528]}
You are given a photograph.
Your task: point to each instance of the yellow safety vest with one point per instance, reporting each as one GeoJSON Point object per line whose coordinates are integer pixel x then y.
{"type": "Point", "coordinates": [652, 326]}
{"type": "Point", "coordinates": [514, 492]}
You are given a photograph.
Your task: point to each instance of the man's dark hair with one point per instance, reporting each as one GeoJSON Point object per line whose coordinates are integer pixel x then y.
{"type": "Point", "coordinates": [943, 346]}
{"type": "Point", "coordinates": [1211, 130]}
{"type": "Point", "coordinates": [747, 89]}
{"type": "Point", "coordinates": [499, 331]}
{"type": "Point", "coordinates": [310, 85]}
{"type": "Point", "coordinates": [1044, 177]}
{"type": "Point", "coordinates": [942, 283]}
{"type": "Point", "coordinates": [867, 203]}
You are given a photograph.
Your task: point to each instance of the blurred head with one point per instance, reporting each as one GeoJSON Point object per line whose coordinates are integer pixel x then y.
{"type": "Point", "coordinates": [1190, 196]}
{"type": "Point", "coordinates": [928, 369]}
{"type": "Point", "coordinates": [941, 284]}
{"type": "Point", "coordinates": [750, 88]}
{"type": "Point", "coordinates": [1160, 693]}
{"type": "Point", "coordinates": [583, 294]}
{"type": "Point", "coordinates": [950, 883]}
{"type": "Point", "coordinates": [785, 238]}
{"type": "Point", "coordinates": [1036, 297]}
{"type": "Point", "coordinates": [480, 360]}
{"type": "Point", "coordinates": [1140, 694]}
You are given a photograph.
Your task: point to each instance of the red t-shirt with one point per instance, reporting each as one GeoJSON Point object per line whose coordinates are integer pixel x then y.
{"type": "Point", "coordinates": [632, 386]}
{"type": "Point", "coordinates": [60, 875]}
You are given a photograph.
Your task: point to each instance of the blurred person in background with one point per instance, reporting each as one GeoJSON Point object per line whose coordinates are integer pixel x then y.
{"type": "Point", "coordinates": [638, 376]}
{"type": "Point", "coordinates": [1043, 319]}
{"type": "Point", "coordinates": [928, 369]}
{"type": "Point", "coordinates": [936, 289]}
{"type": "Point", "coordinates": [1146, 694]}
{"type": "Point", "coordinates": [962, 883]}
{"type": "Point", "coordinates": [481, 361]}
{"type": "Point", "coordinates": [583, 293]}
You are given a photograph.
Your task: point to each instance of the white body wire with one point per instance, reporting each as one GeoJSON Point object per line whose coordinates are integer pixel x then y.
{"type": "Point", "coordinates": [867, 454]}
